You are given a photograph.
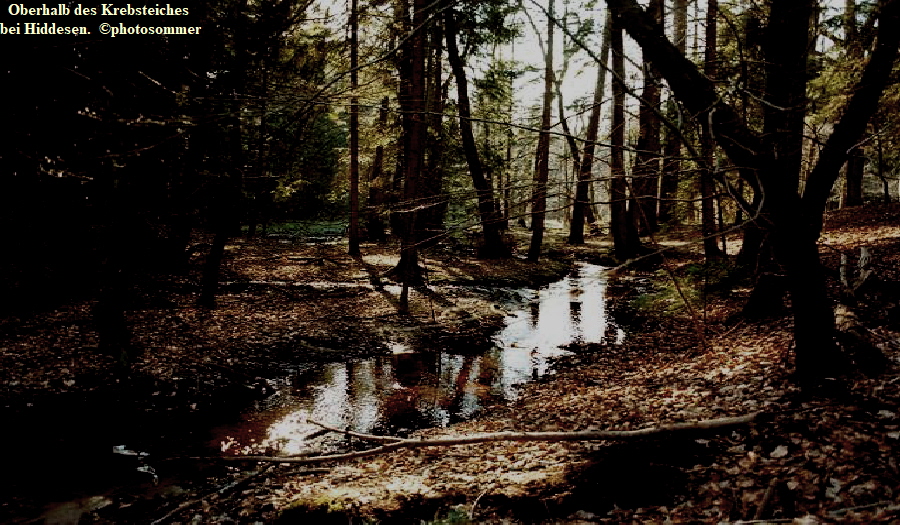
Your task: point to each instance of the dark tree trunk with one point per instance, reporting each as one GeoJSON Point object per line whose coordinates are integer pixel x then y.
{"type": "Point", "coordinates": [109, 313]}
{"type": "Point", "coordinates": [855, 165]}
{"type": "Point", "coordinates": [708, 148]}
{"type": "Point", "coordinates": [434, 181]}
{"type": "Point", "coordinates": [493, 246]}
{"type": "Point", "coordinates": [222, 220]}
{"type": "Point", "coordinates": [414, 130]}
{"type": "Point", "coordinates": [209, 283]}
{"type": "Point", "coordinates": [542, 161]}
{"type": "Point", "coordinates": [668, 183]}
{"type": "Point", "coordinates": [582, 207]}
{"type": "Point", "coordinates": [646, 161]}
{"type": "Point", "coordinates": [624, 232]}
{"type": "Point", "coordinates": [853, 183]}
{"type": "Point", "coordinates": [353, 248]}
{"type": "Point", "coordinates": [377, 197]}
{"type": "Point", "coordinates": [224, 206]}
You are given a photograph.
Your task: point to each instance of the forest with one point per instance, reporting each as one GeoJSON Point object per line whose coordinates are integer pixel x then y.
{"type": "Point", "coordinates": [450, 262]}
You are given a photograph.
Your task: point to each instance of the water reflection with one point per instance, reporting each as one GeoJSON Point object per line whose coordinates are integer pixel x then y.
{"type": "Point", "coordinates": [410, 390]}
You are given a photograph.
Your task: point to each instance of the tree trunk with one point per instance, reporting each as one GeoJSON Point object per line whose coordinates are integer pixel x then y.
{"type": "Point", "coordinates": [854, 168]}
{"type": "Point", "coordinates": [414, 129]}
{"type": "Point", "coordinates": [375, 226]}
{"type": "Point", "coordinates": [542, 162]}
{"type": "Point", "coordinates": [853, 183]}
{"type": "Point", "coordinates": [353, 248]}
{"type": "Point", "coordinates": [493, 246]}
{"type": "Point", "coordinates": [879, 169]}
{"type": "Point", "coordinates": [225, 197]}
{"type": "Point", "coordinates": [434, 181]}
{"type": "Point", "coordinates": [708, 148]}
{"type": "Point", "coordinates": [623, 227]}
{"type": "Point", "coordinates": [668, 184]}
{"type": "Point", "coordinates": [582, 206]}
{"type": "Point", "coordinates": [645, 172]}
{"type": "Point", "coordinates": [109, 313]}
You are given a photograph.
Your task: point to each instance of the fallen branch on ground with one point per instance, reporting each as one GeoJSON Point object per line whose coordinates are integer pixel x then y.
{"type": "Point", "coordinates": [368, 437]}
{"type": "Point", "coordinates": [585, 435]}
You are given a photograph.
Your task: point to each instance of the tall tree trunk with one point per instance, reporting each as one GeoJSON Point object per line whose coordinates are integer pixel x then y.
{"type": "Point", "coordinates": [435, 96]}
{"type": "Point", "coordinates": [414, 129]}
{"type": "Point", "coordinates": [750, 257]}
{"type": "Point", "coordinates": [645, 172]}
{"type": "Point", "coordinates": [879, 169]}
{"type": "Point", "coordinates": [707, 146]}
{"type": "Point", "coordinates": [493, 246]}
{"type": "Point", "coordinates": [353, 248]}
{"type": "Point", "coordinates": [507, 174]}
{"type": "Point", "coordinates": [668, 184]}
{"type": "Point", "coordinates": [582, 206]}
{"type": "Point", "coordinates": [377, 197]}
{"type": "Point", "coordinates": [855, 166]}
{"type": "Point", "coordinates": [225, 196]}
{"type": "Point", "coordinates": [226, 191]}
{"type": "Point", "coordinates": [853, 183]}
{"type": "Point", "coordinates": [623, 228]}
{"type": "Point", "coordinates": [542, 164]}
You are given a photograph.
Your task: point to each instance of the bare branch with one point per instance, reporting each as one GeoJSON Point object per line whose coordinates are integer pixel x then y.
{"type": "Point", "coordinates": [586, 435]}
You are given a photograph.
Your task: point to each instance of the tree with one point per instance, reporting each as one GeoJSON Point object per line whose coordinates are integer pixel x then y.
{"type": "Point", "coordinates": [854, 168]}
{"type": "Point", "coordinates": [626, 242]}
{"type": "Point", "coordinates": [582, 191]}
{"type": "Point", "coordinates": [707, 146]}
{"type": "Point", "coordinates": [436, 92]}
{"type": "Point", "coordinates": [488, 210]}
{"type": "Point", "coordinates": [793, 220]}
{"type": "Point", "coordinates": [646, 160]}
{"type": "Point", "coordinates": [377, 180]}
{"type": "Point", "coordinates": [542, 160]}
{"type": "Point", "coordinates": [353, 248]}
{"type": "Point", "coordinates": [668, 182]}
{"type": "Point", "coordinates": [412, 102]}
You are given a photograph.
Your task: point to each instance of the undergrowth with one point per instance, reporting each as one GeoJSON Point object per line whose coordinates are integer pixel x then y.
{"type": "Point", "coordinates": [697, 283]}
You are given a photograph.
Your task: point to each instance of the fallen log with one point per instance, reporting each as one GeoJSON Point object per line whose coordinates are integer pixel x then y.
{"type": "Point", "coordinates": [392, 444]}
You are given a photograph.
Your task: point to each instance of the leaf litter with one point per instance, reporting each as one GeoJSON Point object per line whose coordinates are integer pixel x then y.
{"type": "Point", "coordinates": [812, 459]}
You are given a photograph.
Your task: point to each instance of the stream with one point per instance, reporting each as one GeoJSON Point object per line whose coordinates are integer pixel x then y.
{"type": "Point", "coordinates": [417, 389]}
{"type": "Point", "coordinates": [393, 394]}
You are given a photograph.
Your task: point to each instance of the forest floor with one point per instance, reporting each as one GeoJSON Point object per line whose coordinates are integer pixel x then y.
{"type": "Point", "coordinates": [808, 458]}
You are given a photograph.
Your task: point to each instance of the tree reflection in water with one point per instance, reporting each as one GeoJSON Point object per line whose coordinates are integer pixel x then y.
{"type": "Point", "coordinates": [410, 390]}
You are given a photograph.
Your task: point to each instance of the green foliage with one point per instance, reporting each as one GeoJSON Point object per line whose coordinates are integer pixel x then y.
{"type": "Point", "coordinates": [308, 171]}
{"type": "Point", "coordinates": [482, 23]}
{"type": "Point", "coordinates": [696, 282]}
{"type": "Point", "coordinates": [310, 228]}
{"type": "Point", "coordinates": [716, 277]}
{"type": "Point", "coordinates": [664, 299]}
{"type": "Point", "coordinates": [455, 516]}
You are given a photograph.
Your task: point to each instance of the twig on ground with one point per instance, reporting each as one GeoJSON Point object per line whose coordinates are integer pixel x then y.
{"type": "Point", "coordinates": [587, 435]}
{"type": "Point", "coordinates": [768, 497]}
{"type": "Point", "coordinates": [367, 437]}
{"type": "Point", "coordinates": [889, 505]}
{"type": "Point", "coordinates": [475, 504]}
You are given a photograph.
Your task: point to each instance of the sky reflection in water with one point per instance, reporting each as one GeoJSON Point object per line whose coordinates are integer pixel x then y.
{"type": "Point", "coordinates": [409, 390]}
